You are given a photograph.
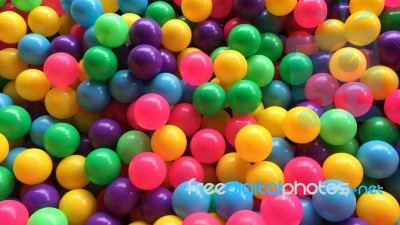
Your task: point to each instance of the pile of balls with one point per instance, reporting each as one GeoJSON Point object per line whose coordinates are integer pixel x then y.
{"type": "Point", "coordinates": [116, 112]}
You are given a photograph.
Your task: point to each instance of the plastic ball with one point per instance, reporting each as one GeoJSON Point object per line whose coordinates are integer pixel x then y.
{"type": "Point", "coordinates": [5, 100]}
{"type": "Point", "coordinates": [295, 68]}
{"type": "Point", "coordinates": [232, 23]}
{"type": "Point", "coordinates": [168, 86]}
{"type": "Point", "coordinates": [93, 95]}
{"type": "Point", "coordinates": [248, 10]}
{"type": "Point", "coordinates": [12, 154]}
{"type": "Point", "coordinates": [347, 64]}
{"type": "Point", "coordinates": [320, 88]}
{"type": "Point", "coordinates": [176, 35]}
{"type": "Point", "coordinates": [131, 144]}
{"type": "Point", "coordinates": [185, 116]}
{"type": "Point", "coordinates": [44, 20]}
{"type": "Point", "coordinates": [145, 61]}
{"type": "Point", "coordinates": [160, 11]}
{"type": "Point", "coordinates": [102, 218]}
{"type": "Point", "coordinates": [310, 13]}
{"type": "Point", "coordinates": [169, 142]}
{"type": "Point", "coordinates": [200, 218]}
{"type": "Point", "coordinates": [216, 122]}
{"type": "Point", "coordinates": [196, 68]}
{"type": "Point", "coordinates": [34, 49]}
{"type": "Point", "coordinates": [336, 206]}
{"type": "Point", "coordinates": [61, 69]}
{"type": "Point", "coordinates": [245, 39]}
{"type": "Point", "coordinates": [86, 12]}
{"type": "Point", "coordinates": [70, 172]}
{"type": "Point", "coordinates": [330, 35]}
{"type": "Point", "coordinates": [40, 196]}
{"type": "Point", "coordinates": [245, 217]}
{"type": "Point", "coordinates": [231, 167]}
{"type": "Point", "coordinates": [253, 143]}
{"type": "Point", "coordinates": [134, 6]}
{"type": "Point", "coordinates": [15, 121]}
{"type": "Point", "coordinates": [7, 183]}
{"type": "Point", "coordinates": [207, 35]}
{"type": "Point", "coordinates": [374, 6]}
{"type": "Point", "coordinates": [337, 127]}
{"type": "Point", "coordinates": [61, 140]}
{"type": "Point", "coordinates": [4, 148]}
{"type": "Point", "coordinates": [260, 70]}
{"type": "Point", "coordinates": [209, 99]}
{"type": "Point", "coordinates": [104, 133]}
{"type": "Point", "coordinates": [156, 203]}
{"type": "Point", "coordinates": [13, 26]}
{"type": "Point", "coordinates": [197, 10]}
{"type": "Point", "coordinates": [89, 38]}
{"type": "Point", "coordinates": [124, 87]}
{"type": "Point", "coordinates": [362, 28]}
{"type": "Point", "coordinates": [102, 166]}
{"type": "Point", "coordinates": [207, 146]}
{"type": "Point", "coordinates": [260, 176]}
{"type": "Point", "coordinates": [145, 31]}
{"type": "Point", "coordinates": [379, 128]}
{"type": "Point", "coordinates": [32, 160]}
{"type": "Point", "coordinates": [301, 125]}
{"type": "Point", "coordinates": [169, 219]}
{"type": "Point", "coordinates": [389, 19]}
{"type": "Point", "coordinates": [343, 167]}
{"type": "Point", "coordinates": [302, 42]}
{"type": "Point", "coordinates": [390, 108]}
{"type": "Point", "coordinates": [11, 63]}
{"type": "Point", "coordinates": [183, 169]}
{"type": "Point", "coordinates": [32, 85]}
{"type": "Point", "coordinates": [13, 212]}
{"type": "Point", "coordinates": [272, 119]}
{"type": "Point", "coordinates": [169, 61]}
{"type": "Point", "coordinates": [151, 111]}
{"type": "Point", "coordinates": [111, 30]}
{"type": "Point", "coordinates": [378, 158]}
{"type": "Point", "coordinates": [48, 215]}
{"type": "Point", "coordinates": [100, 63]}
{"type": "Point", "coordinates": [279, 8]}
{"type": "Point", "coordinates": [147, 170]}
{"type": "Point", "coordinates": [281, 153]}
{"type": "Point", "coordinates": [110, 6]}
{"type": "Point", "coordinates": [61, 102]}
{"type": "Point", "coordinates": [378, 208]}
{"type": "Point", "coordinates": [310, 216]}
{"type": "Point", "coordinates": [121, 197]}
{"type": "Point", "coordinates": [234, 124]}
{"type": "Point", "coordinates": [320, 62]}
{"type": "Point", "coordinates": [381, 80]}
{"type": "Point", "coordinates": [244, 96]}
{"type": "Point", "coordinates": [230, 66]}
{"type": "Point", "coordinates": [355, 97]}
{"type": "Point", "coordinates": [271, 46]}
{"type": "Point", "coordinates": [274, 209]}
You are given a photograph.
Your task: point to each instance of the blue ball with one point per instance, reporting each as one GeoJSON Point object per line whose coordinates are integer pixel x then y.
{"type": "Point", "coordinates": [124, 87]}
{"type": "Point", "coordinates": [276, 93]}
{"type": "Point", "coordinates": [39, 127]}
{"type": "Point", "coordinates": [5, 100]}
{"type": "Point", "coordinates": [320, 62]}
{"type": "Point", "coordinates": [89, 39]}
{"type": "Point", "coordinates": [93, 95]}
{"type": "Point", "coordinates": [310, 216]}
{"type": "Point", "coordinates": [281, 152]}
{"type": "Point", "coordinates": [34, 49]}
{"type": "Point", "coordinates": [168, 86]}
{"type": "Point", "coordinates": [392, 184]}
{"type": "Point", "coordinates": [12, 154]}
{"type": "Point", "coordinates": [335, 201]}
{"type": "Point", "coordinates": [66, 6]}
{"type": "Point", "coordinates": [187, 92]}
{"type": "Point", "coordinates": [86, 12]}
{"type": "Point", "coordinates": [236, 197]}
{"type": "Point", "coordinates": [188, 199]}
{"type": "Point", "coordinates": [378, 159]}
{"type": "Point", "coordinates": [133, 6]}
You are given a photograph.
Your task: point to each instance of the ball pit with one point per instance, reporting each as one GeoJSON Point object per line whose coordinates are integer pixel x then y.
{"type": "Point", "coordinates": [172, 112]}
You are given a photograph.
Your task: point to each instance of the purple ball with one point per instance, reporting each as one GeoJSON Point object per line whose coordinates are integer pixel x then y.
{"type": "Point", "coordinates": [121, 197]}
{"type": "Point", "coordinates": [35, 109]}
{"type": "Point", "coordinates": [104, 133]}
{"type": "Point", "coordinates": [84, 146]}
{"type": "Point", "coordinates": [353, 221]}
{"type": "Point", "coordinates": [145, 31]}
{"type": "Point", "coordinates": [248, 9]}
{"type": "Point", "coordinates": [156, 203]}
{"type": "Point", "coordinates": [67, 44]}
{"type": "Point", "coordinates": [122, 53]}
{"type": "Point", "coordinates": [339, 11]}
{"type": "Point", "coordinates": [320, 62]}
{"type": "Point", "coordinates": [40, 196]}
{"type": "Point", "coordinates": [208, 35]}
{"type": "Point", "coordinates": [145, 61]}
{"type": "Point", "coordinates": [169, 61]}
{"type": "Point", "coordinates": [389, 48]}
{"type": "Point", "coordinates": [316, 150]}
{"type": "Point", "coordinates": [102, 218]}
{"type": "Point", "coordinates": [317, 108]}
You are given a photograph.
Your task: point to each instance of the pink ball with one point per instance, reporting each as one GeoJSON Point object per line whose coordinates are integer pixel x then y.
{"type": "Point", "coordinates": [236, 123]}
{"type": "Point", "coordinates": [245, 217]}
{"type": "Point", "coordinates": [151, 111]}
{"type": "Point", "coordinates": [184, 169]}
{"type": "Point", "coordinates": [61, 69]}
{"type": "Point", "coordinates": [130, 116]}
{"type": "Point", "coordinates": [13, 212]}
{"type": "Point", "coordinates": [355, 97]}
{"type": "Point", "coordinates": [392, 109]}
{"type": "Point", "coordinates": [320, 89]}
{"type": "Point", "coordinates": [207, 146]}
{"type": "Point", "coordinates": [200, 218]}
{"type": "Point", "coordinates": [281, 210]}
{"type": "Point", "coordinates": [392, 3]}
{"type": "Point", "coordinates": [310, 13]}
{"type": "Point", "coordinates": [221, 8]}
{"type": "Point", "coordinates": [303, 170]}
{"type": "Point", "coordinates": [196, 68]}
{"type": "Point", "coordinates": [186, 117]}
{"type": "Point", "coordinates": [147, 171]}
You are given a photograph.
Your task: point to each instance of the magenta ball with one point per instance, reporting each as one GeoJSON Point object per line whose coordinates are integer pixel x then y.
{"type": "Point", "coordinates": [184, 169]}
{"type": "Point", "coordinates": [276, 208]}
{"type": "Point", "coordinates": [104, 133]}
{"type": "Point", "coordinates": [200, 218]}
{"type": "Point", "coordinates": [61, 69]}
{"type": "Point", "coordinates": [355, 97]}
{"type": "Point", "coordinates": [121, 197]}
{"type": "Point", "coordinates": [156, 203]}
{"type": "Point", "coordinates": [145, 31]}
{"type": "Point", "coordinates": [207, 146]}
{"type": "Point", "coordinates": [40, 196]}
{"type": "Point", "coordinates": [310, 13]}
{"type": "Point", "coordinates": [13, 212]}
{"type": "Point", "coordinates": [245, 217]}
{"type": "Point", "coordinates": [186, 117]}
{"type": "Point", "coordinates": [151, 111]}
{"type": "Point", "coordinates": [196, 68]}
{"type": "Point", "coordinates": [145, 61]}
{"type": "Point", "coordinates": [320, 88]}
{"type": "Point", "coordinates": [236, 123]}
{"type": "Point", "coordinates": [391, 107]}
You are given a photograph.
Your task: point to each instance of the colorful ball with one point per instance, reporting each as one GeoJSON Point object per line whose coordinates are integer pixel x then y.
{"type": "Point", "coordinates": [281, 153]}
{"type": "Point", "coordinates": [245, 38]}
{"type": "Point", "coordinates": [86, 12]}
{"type": "Point", "coordinates": [13, 26]}
{"type": "Point", "coordinates": [231, 167]}
{"type": "Point", "coordinates": [277, 8]}
{"type": "Point", "coordinates": [32, 159]}
{"type": "Point", "coordinates": [104, 133]}
{"type": "Point", "coordinates": [12, 64]}
{"type": "Point", "coordinates": [337, 127]}
{"type": "Point", "coordinates": [103, 218]}
{"type": "Point", "coordinates": [32, 85]}
{"type": "Point", "coordinates": [301, 125]}
{"type": "Point", "coordinates": [176, 35]}
{"type": "Point", "coordinates": [102, 166]}
{"type": "Point", "coordinates": [196, 68]}
{"type": "Point", "coordinates": [347, 64]}
{"type": "Point", "coordinates": [200, 218]}
{"type": "Point", "coordinates": [379, 128]}
{"type": "Point", "coordinates": [209, 99]}
{"type": "Point", "coordinates": [310, 13]}
{"type": "Point", "coordinates": [183, 169]}
{"type": "Point", "coordinates": [197, 10]}
{"type": "Point", "coordinates": [381, 80]}
{"type": "Point", "coordinates": [134, 6]}
{"type": "Point", "coordinates": [39, 127]}
{"type": "Point", "coordinates": [70, 172]}
{"type": "Point", "coordinates": [343, 167]}
{"type": "Point", "coordinates": [145, 31]}
{"type": "Point", "coordinates": [61, 102]}
{"type": "Point", "coordinates": [245, 216]}
{"type": "Point", "coordinates": [121, 197]}
{"type": "Point", "coordinates": [320, 88]}
{"type": "Point", "coordinates": [208, 35]}
{"type": "Point", "coordinates": [7, 183]}
{"type": "Point", "coordinates": [61, 140]}
{"type": "Point", "coordinates": [185, 116]}
{"type": "Point", "coordinates": [44, 20]}
{"type": "Point", "coordinates": [93, 95]}
{"type": "Point", "coordinates": [310, 216]}
{"type": "Point", "coordinates": [295, 68]}
{"type": "Point", "coordinates": [207, 146]}
{"type": "Point", "coordinates": [390, 108]}
{"type": "Point", "coordinates": [330, 35]}
{"type": "Point", "coordinates": [358, 105]}
{"type": "Point", "coordinates": [100, 63]}
{"type": "Point", "coordinates": [272, 119]}
{"type": "Point", "coordinates": [13, 212]}
{"type": "Point", "coordinates": [230, 66]}
{"type": "Point", "coordinates": [156, 203]}
{"type": "Point", "coordinates": [236, 123]}
{"type": "Point", "coordinates": [160, 11]}
{"type": "Point", "coordinates": [168, 86]}
{"type": "Point", "coordinates": [151, 111]}
{"type": "Point", "coordinates": [264, 178]}
{"type": "Point", "coordinates": [124, 87]}
{"type": "Point", "coordinates": [34, 49]}
{"type": "Point", "coordinates": [275, 207]}
{"type": "Point", "coordinates": [169, 142]}
{"type": "Point", "coordinates": [374, 6]}
{"type": "Point", "coordinates": [253, 143]}
{"type": "Point", "coordinates": [15, 121]}
{"type": "Point", "coordinates": [48, 215]}
{"type": "Point", "coordinates": [111, 30]}
{"type": "Point", "coordinates": [362, 28]}
{"type": "Point", "coordinates": [271, 46]}
{"type": "Point", "coordinates": [131, 144]}
{"type": "Point", "coordinates": [169, 219]}
{"type": "Point", "coordinates": [260, 70]}
{"type": "Point", "coordinates": [40, 196]}
{"type": "Point", "coordinates": [378, 208]}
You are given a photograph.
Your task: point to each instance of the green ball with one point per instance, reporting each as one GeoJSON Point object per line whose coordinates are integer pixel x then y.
{"type": "Point", "coordinates": [100, 63]}
{"type": "Point", "coordinates": [61, 140]}
{"type": "Point", "coordinates": [160, 11]}
{"type": "Point", "coordinates": [48, 216]}
{"type": "Point", "coordinates": [217, 51]}
{"type": "Point", "coordinates": [379, 128]}
{"type": "Point", "coordinates": [390, 19]}
{"type": "Point", "coordinates": [111, 30]}
{"type": "Point", "coordinates": [26, 5]}
{"type": "Point", "coordinates": [15, 121]}
{"type": "Point", "coordinates": [102, 166]}
{"type": "Point", "coordinates": [351, 147]}
{"type": "Point", "coordinates": [2, 2]}
{"type": "Point", "coordinates": [295, 68]}
{"type": "Point", "coordinates": [209, 99]}
{"type": "Point", "coordinates": [244, 97]}
{"type": "Point", "coordinates": [271, 46]}
{"type": "Point", "coordinates": [260, 70]}
{"type": "Point", "coordinates": [6, 182]}
{"type": "Point", "coordinates": [337, 127]}
{"type": "Point", "coordinates": [245, 38]}
{"type": "Point", "coordinates": [132, 143]}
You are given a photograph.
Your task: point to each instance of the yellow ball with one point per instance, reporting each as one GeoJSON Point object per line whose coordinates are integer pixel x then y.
{"type": "Point", "coordinates": [381, 80]}
{"type": "Point", "coordinates": [78, 205]}
{"type": "Point", "coordinates": [32, 85]}
{"type": "Point", "coordinates": [11, 64]}
{"type": "Point", "coordinates": [343, 167]}
{"type": "Point", "coordinates": [12, 27]}
{"type": "Point", "coordinates": [362, 28]}
{"type": "Point", "coordinates": [378, 209]}
{"type": "Point", "coordinates": [301, 125]}
{"type": "Point", "coordinates": [253, 143]}
{"type": "Point", "coordinates": [230, 66]}
{"type": "Point", "coordinates": [130, 18]}
{"type": "Point", "coordinates": [196, 10]}
{"type": "Point", "coordinates": [169, 142]}
{"type": "Point", "coordinates": [32, 166]}
{"type": "Point", "coordinates": [70, 172]}
{"type": "Point", "coordinates": [10, 90]}
{"type": "Point", "coordinates": [176, 35]}
{"type": "Point", "coordinates": [256, 113]}
{"type": "Point", "coordinates": [231, 167]}
{"type": "Point", "coordinates": [66, 23]}
{"type": "Point", "coordinates": [272, 119]}
{"type": "Point", "coordinates": [375, 6]}
{"type": "Point", "coordinates": [347, 64]}
{"type": "Point", "coordinates": [280, 7]}
{"type": "Point", "coordinates": [330, 35]}
{"type": "Point", "coordinates": [169, 220]}
{"type": "Point", "coordinates": [264, 172]}
{"type": "Point", "coordinates": [109, 6]}
{"type": "Point", "coordinates": [139, 223]}
{"type": "Point", "coordinates": [61, 102]}
{"type": "Point", "coordinates": [44, 20]}
{"type": "Point", "coordinates": [4, 147]}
